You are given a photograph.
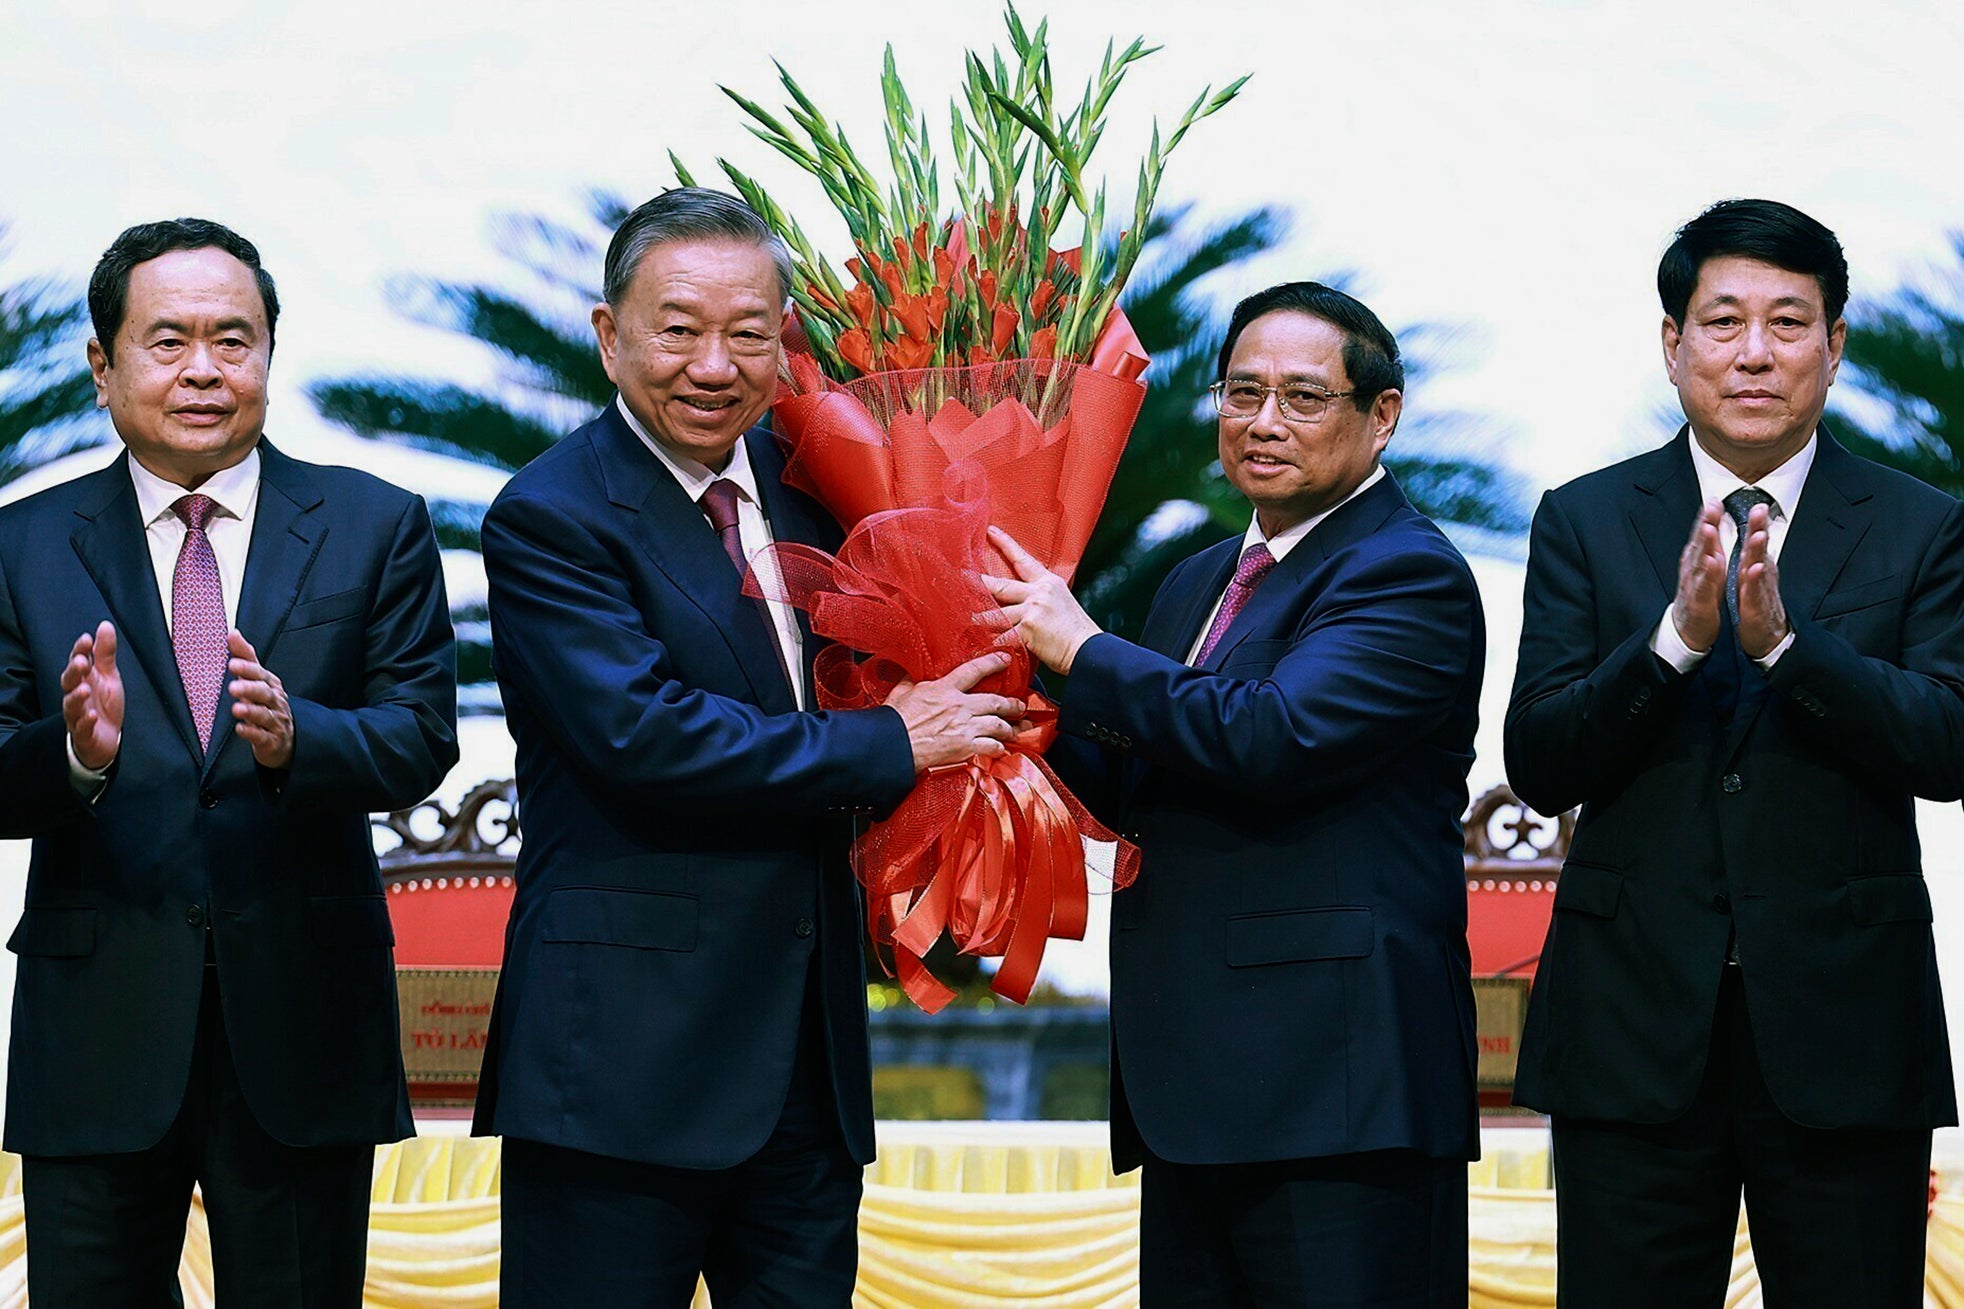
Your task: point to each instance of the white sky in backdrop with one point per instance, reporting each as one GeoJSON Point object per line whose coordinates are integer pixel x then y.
{"type": "Point", "coordinates": [1511, 170]}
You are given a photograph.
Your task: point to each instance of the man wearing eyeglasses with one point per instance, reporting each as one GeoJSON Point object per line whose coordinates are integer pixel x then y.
{"type": "Point", "coordinates": [1292, 1009]}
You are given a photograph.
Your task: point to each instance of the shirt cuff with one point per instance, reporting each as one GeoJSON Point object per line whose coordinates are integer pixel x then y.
{"type": "Point", "coordinates": [88, 782]}
{"type": "Point", "coordinates": [1773, 655]}
{"type": "Point", "coordinates": [1667, 645]}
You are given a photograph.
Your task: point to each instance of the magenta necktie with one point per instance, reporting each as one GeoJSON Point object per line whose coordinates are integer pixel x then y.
{"type": "Point", "coordinates": [1248, 575]}
{"type": "Point", "coordinates": [719, 502]}
{"type": "Point", "coordinates": [197, 615]}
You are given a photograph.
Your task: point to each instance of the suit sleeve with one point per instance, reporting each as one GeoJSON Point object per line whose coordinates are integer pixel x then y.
{"type": "Point", "coordinates": [394, 749]}
{"type": "Point", "coordinates": [1901, 722]}
{"type": "Point", "coordinates": [1576, 725]}
{"type": "Point", "coordinates": [36, 795]}
{"type": "Point", "coordinates": [571, 641]}
{"type": "Point", "coordinates": [1379, 665]}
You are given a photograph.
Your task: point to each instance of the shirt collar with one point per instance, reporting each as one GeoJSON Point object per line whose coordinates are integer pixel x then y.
{"type": "Point", "coordinates": [1286, 540]}
{"type": "Point", "coordinates": [1784, 484]}
{"type": "Point", "coordinates": [694, 476]}
{"type": "Point", "coordinates": [233, 489]}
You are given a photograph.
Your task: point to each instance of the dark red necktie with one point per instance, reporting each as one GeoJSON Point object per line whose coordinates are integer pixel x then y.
{"type": "Point", "coordinates": [197, 615]}
{"type": "Point", "coordinates": [719, 502]}
{"type": "Point", "coordinates": [1248, 575]}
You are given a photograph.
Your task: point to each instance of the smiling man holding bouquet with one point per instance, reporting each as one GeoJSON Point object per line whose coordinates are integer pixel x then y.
{"type": "Point", "coordinates": [1292, 1010]}
{"type": "Point", "coordinates": [678, 1061]}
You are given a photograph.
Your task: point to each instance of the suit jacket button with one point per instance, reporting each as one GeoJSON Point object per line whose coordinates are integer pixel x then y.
{"type": "Point", "coordinates": [1722, 904]}
{"type": "Point", "coordinates": [195, 915]}
{"type": "Point", "coordinates": [803, 928]}
{"type": "Point", "coordinates": [207, 799]}
{"type": "Point", "coordinates": [1732, 784]}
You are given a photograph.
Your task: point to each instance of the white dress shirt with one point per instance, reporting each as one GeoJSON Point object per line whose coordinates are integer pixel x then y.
{"type": "Point", "coordinates": [235, 493]}
{"type": "Point", "coordinates": [753, 530]}
{"type": "Point", "coordinates": [1716, 482]}
{"type": "Point", "coordinates": [1279, 547]}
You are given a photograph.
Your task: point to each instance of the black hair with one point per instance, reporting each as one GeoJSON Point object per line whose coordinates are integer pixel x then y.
{"type": "Point", "coordinates": [109, 284]}
{"type": "Point", "coordinates": [1766, 230]}
{"type": "Point", "coordinates": [1370, 352]}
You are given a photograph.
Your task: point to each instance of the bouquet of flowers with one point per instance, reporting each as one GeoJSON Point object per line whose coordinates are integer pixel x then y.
{"type": "Point", "coordinates": [965, 371]}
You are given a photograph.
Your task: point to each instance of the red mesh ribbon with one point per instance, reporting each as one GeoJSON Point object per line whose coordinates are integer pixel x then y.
{"type": "Point", "coordinates": [917, 465]}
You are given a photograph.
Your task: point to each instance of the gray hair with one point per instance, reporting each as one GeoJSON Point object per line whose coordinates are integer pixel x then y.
{"type": "Point", "coordinates": [689, 213]}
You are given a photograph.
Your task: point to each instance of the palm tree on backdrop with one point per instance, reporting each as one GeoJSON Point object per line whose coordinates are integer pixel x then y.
{"type": "Point", "coordinates": [1167, 499]}
{"type": "Point", "coordinates": [1906, 355]}
{"type": "Point", "coordinates": [46, 398]}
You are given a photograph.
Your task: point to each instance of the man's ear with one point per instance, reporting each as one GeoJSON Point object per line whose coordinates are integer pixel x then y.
{"type": "Point", "coordinates": [1672, 336]}
{"type": "Point", "coordinates": [1385, 411]}
{"type": "Point", "coordinates": [99, 372]}
{"type": "Point", "coordinates": [607, 332]}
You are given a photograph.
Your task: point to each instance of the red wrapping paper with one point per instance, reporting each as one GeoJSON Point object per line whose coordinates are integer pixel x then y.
{"type": "Point", "coordinates": [916, 465]}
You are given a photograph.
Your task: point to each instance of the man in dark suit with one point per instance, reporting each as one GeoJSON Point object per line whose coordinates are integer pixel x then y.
{"type": "Point", "coordinates": [1292, 1013]}
{"type": "Point", "coordinates": [214, 662]}
{"type": "Point", "coordinates": [679, 1057]}
{"type": "Point", "coordinates": [1739, 987]}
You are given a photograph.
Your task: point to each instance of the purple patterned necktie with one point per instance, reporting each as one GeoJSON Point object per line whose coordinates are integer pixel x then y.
{"type": "Point", "coordinates": [1248, 575]}
{"type": "Point", "coordinates": [719, 502]}
{"type": "Point", "coordinates": [197, 615]}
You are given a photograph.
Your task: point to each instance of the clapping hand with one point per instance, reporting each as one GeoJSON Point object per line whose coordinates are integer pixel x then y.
{"type": "Point", "coordinates": [1762, 615]}
{"type": "Point", "coordinates": [259, 704]}
{"type": "Point", "coordinates": [92, 698]}
{"type": "Point", "coordinates": [1701, 582]}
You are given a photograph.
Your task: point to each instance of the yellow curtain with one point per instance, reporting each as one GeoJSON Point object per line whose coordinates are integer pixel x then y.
{"type": "Point", "coordinates": [956, 1216]}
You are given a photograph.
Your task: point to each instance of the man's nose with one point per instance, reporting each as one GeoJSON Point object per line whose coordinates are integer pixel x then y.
{"type": "Point", "coordinates": [1267, 422]}
{"type": "Point", "coordinates": [712, 361]}
{"type": "Point", "coordinates": [200, 367]}
{"type": "Point", "coordinates": [1756, 348]}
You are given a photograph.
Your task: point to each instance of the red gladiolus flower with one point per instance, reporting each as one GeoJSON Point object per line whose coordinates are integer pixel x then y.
{"type": "Point", "coordinates": [1003, 330]}
{"type": "Point", "coordinates": [860, 300]}
{"type": "Point", "coordinates": [911, 310]}
{"type": "Point", "coordinates": [909, 353]}
{"type": "Point", "coordinates": [856, 348]}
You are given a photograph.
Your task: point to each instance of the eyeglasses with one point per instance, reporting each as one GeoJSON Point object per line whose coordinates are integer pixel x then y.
{"type": "Point", "coordinates": [1299, 401]}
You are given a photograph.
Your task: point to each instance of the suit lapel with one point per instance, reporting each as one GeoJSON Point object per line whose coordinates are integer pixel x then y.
{"type": "Point", "coordinates": [286, 540]}
{"type": "Point", "coordinates": [795, 519]}
{"type": "Point", "coordinates": [1173, 625]}
{"type": "Point", "coordinates": [1347, 524]}
{"type": "Point", "coordinates": [1666, 504]}
{"type": "Point", "coordinates": [111, 543]}
{"type": "Point", "coordinates": [1836, 511]}
{"type": "Point", "coordinates": [680, 542]}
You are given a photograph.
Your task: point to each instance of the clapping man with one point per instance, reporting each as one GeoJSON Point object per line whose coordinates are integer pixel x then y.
{"type": "Point", "coordinates": [1742, 654]}
{"type": "Point", "coordinates": [215, 662]}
